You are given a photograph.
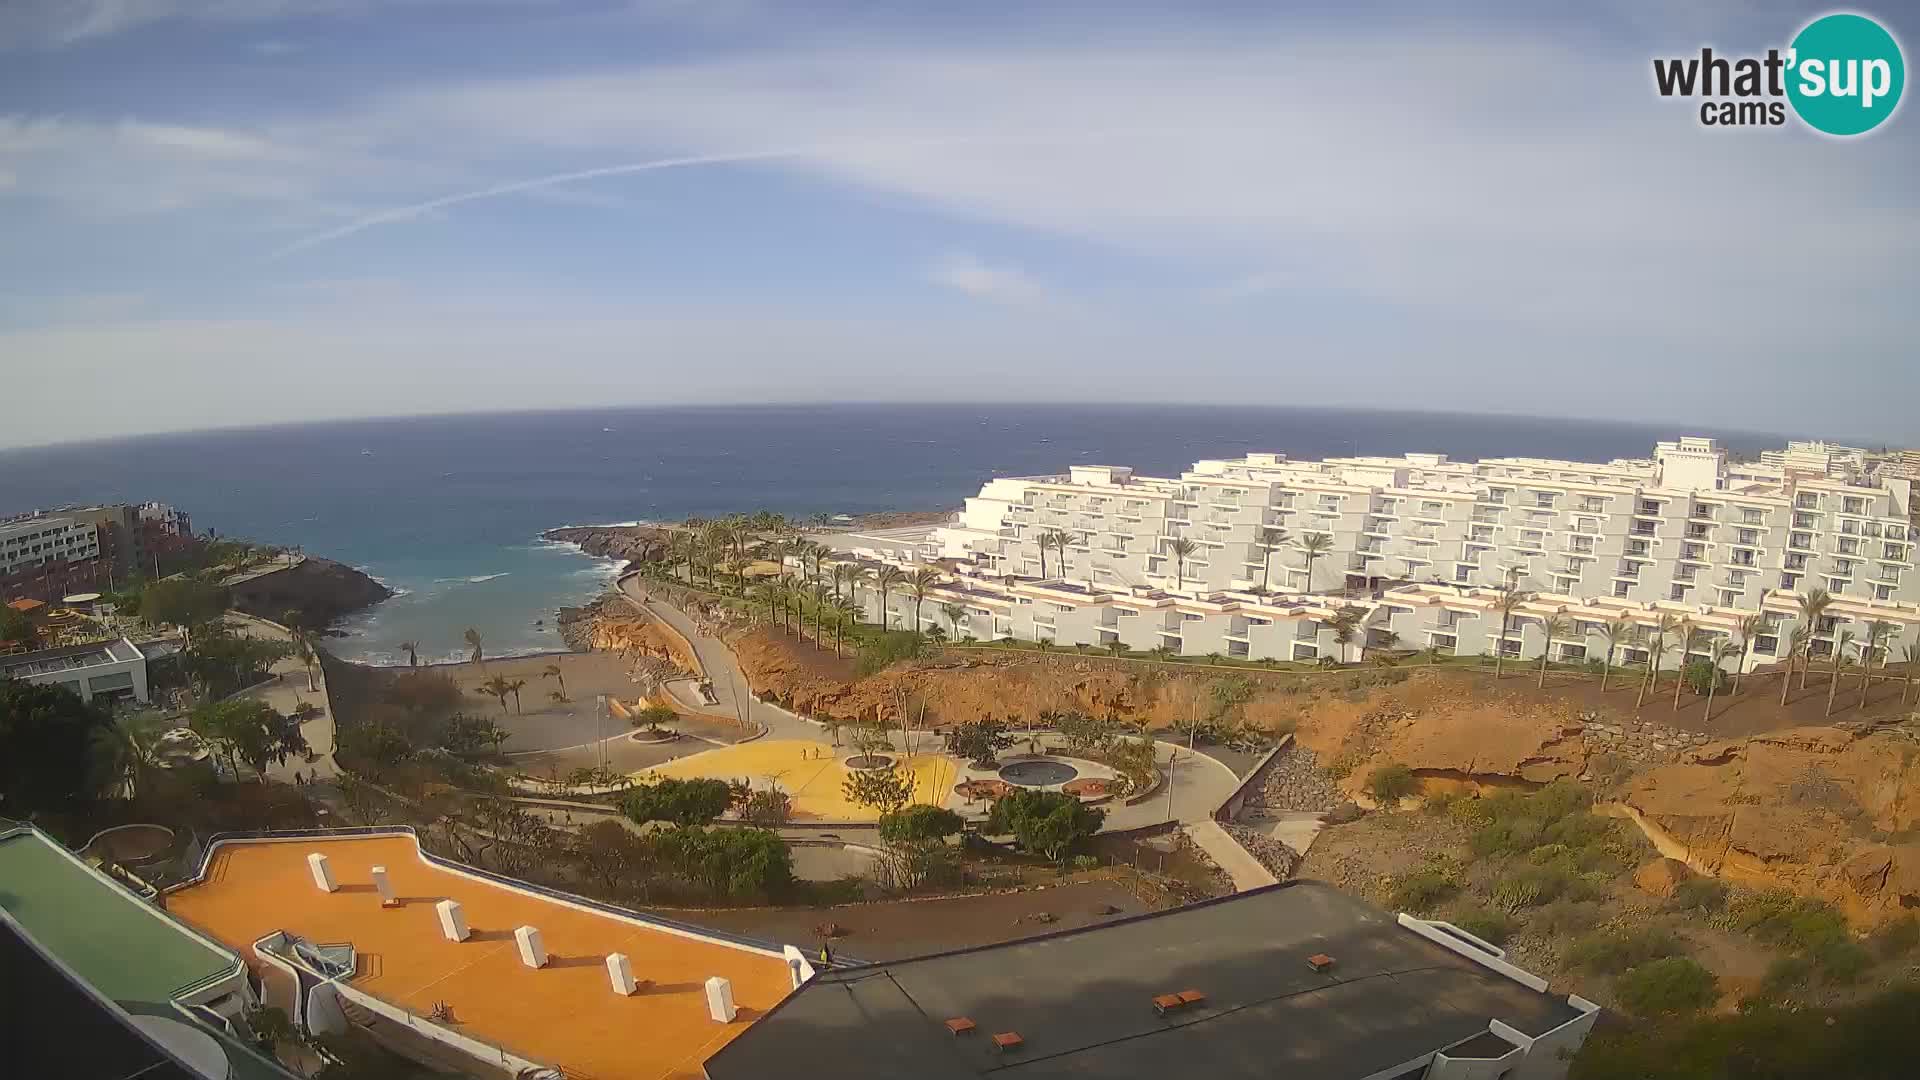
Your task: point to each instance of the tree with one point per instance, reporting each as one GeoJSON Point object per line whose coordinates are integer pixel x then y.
{"type": "Point", "coordinates": [1655, 650]}
{"type": "Point", "coordinates": [249, 730]}
{"type": "Point", "coordinates": [979, 741]}
{"type": "Point", "coordinates": [1618, 632]}
{"type": "Point", "coordinates": [767, 808]}
{"type": "Point", "coordinates": [1798, 642]}
{"type": "Point", "coordinates": [1510, 598]}
{"type": "Point", "coordinates": [412, 649]}
{"type": "Point", "coordinates": [1553, 626]}
{"type": "Point", "coordinates": [474, 645]}
{"type": "Point", "coordinates": [1839, 662]}
{"type": "Point", "coordinates": [886, 579]}
{"type": "Point", "coordinates": [1812, 607]}
{"type": "Point", "coordinates": [468, 736]}
{"type": "Point", "coordinates": [1345, 624]}
{"type": "Point", "coordinates": [1270, 540]}
{"type": "Point", "coordinates": [1048, 823]}
{"type": "Point", "coordinates": [182, 601]}
{"type": "Point", "coordinates": [733, 863]}
{"type": "Point", "coordinates": [655, 714]}
{"type": "Point", "coordinates": [885, 790]}
{"type": "Point", "coordinates": [1313, 545]}
{"type": "Point", "coordinates": [1671, 986]}
{"type": "Point", "coordinates": [1872, 1038]}
{"type": "Point", "coordinates": [1180, 547]}
{"type": "Point", "coordinates": [16, 627]}
{"type": "Point", "coordinates": [915, 840]}
{"type": "Point", "coordinates": [1689, 640]}
{"type": "Point", "coordinates": [303, 651]}
{"type": "Point", "coordinates": [1720, 654]}
{"type": "Point", "coordinates": [1752, 626]}
{"type": "Point", "coordinates": [682, 802]}
{"type": "Point", "coordinates": [55, 750]}
{"type": "Point", "coordinates": [497, 687]}
{"type": "Point", "coordinates": [552, 671]}
{"type": "Point", "coordinates": [1908, 653]}
{"type": "Point", "coordinates": [1044, 540]}
{"type": "Point", "coordinates": [954, 613]}
{"type": "Point", "coordinates": [618, 858]}
{"type": "Point", "coordinates": [1878, 630]}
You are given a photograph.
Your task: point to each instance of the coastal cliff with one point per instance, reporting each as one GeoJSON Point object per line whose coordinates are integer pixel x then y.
{"type": "Point", "coordinates": [320, 589]}
{"type": "Point", "coordinates": [634, 543]}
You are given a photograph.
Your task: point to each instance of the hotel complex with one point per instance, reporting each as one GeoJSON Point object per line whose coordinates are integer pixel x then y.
{"type": "Point", "coordinates": [1256, 557]}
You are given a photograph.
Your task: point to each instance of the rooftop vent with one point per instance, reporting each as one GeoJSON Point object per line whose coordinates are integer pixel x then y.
{"type": "Point", "coordinates": [1166, 1003]}
{"type": "Point", "coordinates": [960, 1025]}
{"type": "Point", "coordinates": [1008, 1041]}
{"type": "Point", "coordinates": [1320, 961]}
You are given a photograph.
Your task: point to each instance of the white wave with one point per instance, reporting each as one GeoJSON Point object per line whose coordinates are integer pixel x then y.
{"type": "Point", "coordinates": [474, 580]}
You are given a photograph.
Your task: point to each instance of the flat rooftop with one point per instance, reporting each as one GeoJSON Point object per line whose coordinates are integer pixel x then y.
{"type": "Point", "coordinates": [69, 658]}
{"type": "Point", "coordinates": [122, 945]}
{"type": "Point", "coordinates": [564, 1014]}
{"type": "Point", "coordinates": [1082, 1001]}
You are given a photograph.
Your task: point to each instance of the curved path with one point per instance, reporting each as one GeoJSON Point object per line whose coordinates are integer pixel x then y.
{"type": "Point", "coordinates": [1197, 783]}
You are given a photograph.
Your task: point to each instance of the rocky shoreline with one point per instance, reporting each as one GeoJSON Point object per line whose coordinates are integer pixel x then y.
{"type": "Point", "coordinates": [322, 590]}
{"type": "Point", "coordinates": [632, 543]}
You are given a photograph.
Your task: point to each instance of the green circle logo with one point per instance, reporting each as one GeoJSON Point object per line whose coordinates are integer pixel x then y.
{"type": "Point", "coordinates": [1845, 74]}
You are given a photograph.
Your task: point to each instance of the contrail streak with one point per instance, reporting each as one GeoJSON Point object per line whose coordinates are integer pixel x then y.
{"type": "Point", "coordinates": [404, 212]}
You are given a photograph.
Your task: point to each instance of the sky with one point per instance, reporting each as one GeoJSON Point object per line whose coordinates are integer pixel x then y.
{"type": "Point", "coordinates": [231, 212]}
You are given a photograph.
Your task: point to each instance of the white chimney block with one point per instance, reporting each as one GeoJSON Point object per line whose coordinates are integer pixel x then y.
{"type": "Point", "coordinates": [533, 952]}
{"type": "Point", "coordinates": [620, 974]}
{"type": "Point", "coordinates": [382, 886]}
{"type": "Point", "coordinates": [720, 1000]}
{"type": "Point", "coordinates": [322, 872]}
{"type": "Point", "coordinates": [453, 921]}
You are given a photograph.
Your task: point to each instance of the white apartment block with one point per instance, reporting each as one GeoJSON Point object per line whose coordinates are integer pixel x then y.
{"type": "Point", "coordinates": [1419, 542]}
{"type": "Point", "coordinates": [33, 541]}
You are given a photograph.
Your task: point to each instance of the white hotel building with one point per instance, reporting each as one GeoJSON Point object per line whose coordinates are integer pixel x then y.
{"type": "Point", "coordinates": [1420, 543]}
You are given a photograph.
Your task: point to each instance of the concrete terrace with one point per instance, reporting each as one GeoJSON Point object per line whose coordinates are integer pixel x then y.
{"type": "Point", "coordinates": [564, 1014]}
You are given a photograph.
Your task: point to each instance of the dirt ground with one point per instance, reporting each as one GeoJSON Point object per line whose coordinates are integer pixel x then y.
{"type": "Point", "coordinates": [894, 929]}
{"type": "Point", "coordinates": [540, 723]}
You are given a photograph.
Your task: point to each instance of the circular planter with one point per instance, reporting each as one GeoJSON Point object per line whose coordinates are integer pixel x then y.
{"type": "Point", "coordinates": [1039, 772]}
{"type": "Point", "coordinates": [648, 738]}
{"type": "Point", "coordinates": [868, 762]}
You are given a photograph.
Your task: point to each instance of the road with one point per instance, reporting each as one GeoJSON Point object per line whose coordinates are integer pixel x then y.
{"type": "Point", "coordinates": [287, 690]}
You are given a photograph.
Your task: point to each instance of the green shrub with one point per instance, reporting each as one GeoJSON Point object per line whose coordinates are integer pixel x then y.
{"type": "Point", "coordinates": [682, 802]}
{"type": "Point", "coordinates": [1439, 804]}
{"type": "Point", "coordinates": [1701, 894]}
{"type": "Point", "coordinates": [1488, 925]}
{"type": "Point", "coordinates": [1612, 952]}
{"type": "Point", "coordinates": [1786, 973]}
{"type": "Point", "coordinates": [1391, 783]}
{"type": "Point", "coordinates": [1672, 986]}
{"type": "Point", "coordinates": [1531, 886]}
{"type": "Point", "coordinates": [1840, 961]}
{"type": "Point", "coordinates": [1086, 862]}
{"type": "Point", "coordinates": [1508, 836]}
{"type": "Point", "coordinates": [1420, 891]}
{"type": "Point", "coordinates": [1468, 810]}
{"type": "Point", "coordinates": [1551, 855]}
{"type": "Point", "coordinates": [1046, 823]}
{"type": "Point", "coordinates": [1565, 918]}
{"type": "Point", "coordinates": [885, 649]}
{"type": "Point", "coordinates": [1781, 918]}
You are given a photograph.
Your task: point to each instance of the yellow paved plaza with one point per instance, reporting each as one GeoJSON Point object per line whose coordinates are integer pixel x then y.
{"type": "Point", "coordinates": [809, 772]}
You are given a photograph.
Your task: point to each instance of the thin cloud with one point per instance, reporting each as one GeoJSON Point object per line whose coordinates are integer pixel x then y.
{"type": "Point", "coordinates": [1001, 284]}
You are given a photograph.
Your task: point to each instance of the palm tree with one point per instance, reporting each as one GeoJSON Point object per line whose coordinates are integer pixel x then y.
{"type": "Point", "coordinates": [303, 651]}
{"type": "Point", "coordinates": [1344, 623]}
{"type": "Point", "coordinates": [1656, 650]}
{"type": "Point", "coordinates": [1839, 661]}
{"type": "Point", "coordinates": [823, 601]}
{"type": "Point", "coordinates": [768, 593]}
{"type": "Point", "coordinates": [412, 649]}
{"type": "Point", "coordinates": [552, 671]}
{"type": "Point", "coordinates": [1908, 653]}
{"type": "Point", "coordinates": [1056, 539]}
{"type": "Point", "coordinates": [1618, 632]}
{"type": "Point", "coordinates": [1720, 653]}
{"type": "Point", "coordinates": [1812, 606]}
{"type": "Point", "coordinates": [1270, 540]}
{"type": "Point", "coordinates": [473, 640]}
{"type": "Point", "coordinates": [888, 578]}
{"type": "Point", "coordinates": [1314, 545]}
{"type": "Point", "coordinates": [514, 686]}
{"type": "Point", "coordinates": [845, 615]}
{"type": "Point", "coordinates": [954, 613]}
{"type": "Point", "coordinates": [857, 576]}
{"type": "Point", "coordinates": [1689, 636]}
{"type": "Point", "coordinates": [1510, 598]}
{"type": "Point", "coordinates": [498, 689]}
{"type": "Point", "coordinates": [1799, 644]}
{"type": "Point", "coordinates": [1877, 632]}
{"type": "Point", "coordinates": [1116, 648]}
{"type": "Point", "coordinates": [922, 580]}
{"type": "Point", "coordinates": [840, 571]}
{"type": "Point", "coordinates": [1433, 653]}
{"type": "Point", "coordinates": [1750, 627]}
{"type": "Point", "coordinates": [1180, 547]}
{"type": "Point", "coordinates": [1554, 626]}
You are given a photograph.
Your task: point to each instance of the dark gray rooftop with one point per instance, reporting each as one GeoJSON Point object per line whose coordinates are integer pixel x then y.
{"type": "Point", "coordinates": [1082, 1001]}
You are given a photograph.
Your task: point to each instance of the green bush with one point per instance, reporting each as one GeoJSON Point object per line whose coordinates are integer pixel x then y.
{"type": "Point", "coordinates": [1439, 804]}
{"type": "Point", "coordinates": [1551, 855]}
{"type": "Point", "coordinates": [1840, 961]}
{"type": "Point", "coordinates": [1785, 974]}
{"type": "Point", "coordinates": [1047, 823]}
{"type": "Point", "coordinates": [682, 802]}
{"type": "Point", "coordinates": [1700, 674]}
{"type": "Point", "coordinates": [1701, 894]}
{"type": "Point", "coordinates": [885, 649]}
{"type": "Point", "coordinates": [740, 864]}
{"type": "Point", "coordinates": [1896, 938]}
{"type": "Point", "coordinates": [1672, 986]}
{"type": "Point", "coordinates": [1506, 836]}
{"type": "Point", "coordinates": [1488, 925]}
{"type": "Point", "coordinates": [1612, 952]}
{"type": "Point", "coordinates": [1875, 1038]}
{"type": "Point", "coordinates": [1531, 886]}
{"type": "Point", "coordinates": [919, 824]}
{"type": "Point", "coordinates": [1565, 918]}
{"type": "Point", "coordinates": [1391, 783]}
{"type": "Point", "coordinates": [1781, 918]}
{"type": "Point", "coordinates": [1420, 891]}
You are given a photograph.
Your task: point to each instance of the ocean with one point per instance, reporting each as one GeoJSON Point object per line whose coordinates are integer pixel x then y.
{"type": "Point", "coordinates": [449, 510]}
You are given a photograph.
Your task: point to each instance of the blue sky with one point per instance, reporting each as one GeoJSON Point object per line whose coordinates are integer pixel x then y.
{"type": "Point", "coordinates": [221, 212]}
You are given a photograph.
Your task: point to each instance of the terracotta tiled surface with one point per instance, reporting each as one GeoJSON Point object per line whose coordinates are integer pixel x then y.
{"type": "Point", "coordinates": [565, 1014]}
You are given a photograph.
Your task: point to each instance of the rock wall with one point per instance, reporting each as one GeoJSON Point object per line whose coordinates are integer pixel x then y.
{"type": "Point", "coordinates": [634, 543]}
{"type": "Point", "coordinates": [320, 589]}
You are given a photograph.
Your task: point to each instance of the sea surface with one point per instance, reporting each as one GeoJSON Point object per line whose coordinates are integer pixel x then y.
{"type": "Point", "coordinates": [449, 510]}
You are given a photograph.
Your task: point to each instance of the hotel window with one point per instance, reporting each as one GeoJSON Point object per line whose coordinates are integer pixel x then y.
{"type": "Point", "coordinates": [1766, 644]}
{"type": "Point", "coordinates": [1679, 592]}
{"type": "Point", "coordinates": [1806, 501]}
{"type": "Point", "coordinates": [1728, 598]}
{"type": "Point", "coordinates": [1883, 592]}
{"type": "Point", "coordinates": [1836, 584]}
{"type": "Point", "coordinates": [1855, 506]}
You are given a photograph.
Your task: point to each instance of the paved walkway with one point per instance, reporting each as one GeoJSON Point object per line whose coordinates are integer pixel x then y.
{"type": "Point", "coordinates": [285, 691]}
{"type": "Point", "coordinates": [1228, 855]}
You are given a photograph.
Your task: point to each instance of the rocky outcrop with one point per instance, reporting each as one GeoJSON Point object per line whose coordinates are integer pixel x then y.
{"type": "Point", "coordinates": [320, 589]}
{"type": "Point", "coordinates": [1822, 811]}
{"type": "Point", "coordinates": [1296, 782]}
{"type": "Point", "coordinates": [1661, 877]}
{"type": "Point", "coordinates": [634, 543]}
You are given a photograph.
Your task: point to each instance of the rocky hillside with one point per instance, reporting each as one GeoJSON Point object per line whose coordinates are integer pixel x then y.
{"type": "Point", "coordinates": [1824, 811]}
{"type": "Point", "coordinates": [320, 589]}
{"type": "Point", "coordinates": [634, 543]}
